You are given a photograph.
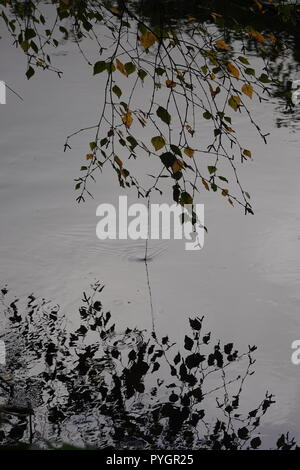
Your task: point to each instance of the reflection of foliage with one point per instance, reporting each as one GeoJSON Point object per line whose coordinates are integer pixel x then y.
{"type": "Point", "coordinates": [164, 85]}
{"type": "Point", "coordinates": [95, 386]}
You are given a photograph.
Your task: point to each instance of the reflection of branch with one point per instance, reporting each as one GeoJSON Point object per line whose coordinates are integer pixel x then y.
{"type": "Point", "coordinates": [13, 91]}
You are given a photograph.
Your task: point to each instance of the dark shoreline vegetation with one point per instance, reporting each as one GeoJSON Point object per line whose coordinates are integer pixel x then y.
{"type": "Point", "coordinates": [96, 388]}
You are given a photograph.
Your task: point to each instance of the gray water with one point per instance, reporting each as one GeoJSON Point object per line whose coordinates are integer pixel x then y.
{"type": "Point", "coordinates": [245, 280]}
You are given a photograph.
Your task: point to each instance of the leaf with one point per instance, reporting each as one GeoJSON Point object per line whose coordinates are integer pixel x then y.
{"type": "Point", "coordinates": [234, 102]}
{"type": "Point", "coordinates": [257, 36]}
{"type": "Point", "coordinates": [207, 115]}
{"type": "Point", "coordinates": [186, 198]}
{"type": "Point", "coordinates": [121, 68]}
{"type": "Point", "coordinates": [127, 119]}
{"type": "Point", "coordinates": [212, 169]}
{"type": "Point", "coordinates": [222, 45]}
{"type": "Point", "coordinates": [195, 324]}
{"type": "Point", "coordinates": [118, 161]}
{"type": "Point", "coordinates": [89, 156]}
{"type": "Point", "coordinates": [170, 84]}
{"type": "Point", "coordinates": [177, 165]}
{"type": "Point", "coordinates": [188, 343]}
{"type": "Point", "coordinates": [243, 433]}
{"type": "Point", "coordinates": [189, 152]}
{"type": "Point", "coordinates": [117, 91]}
{"type": "Point", "coordinates": [163, 114]}
{"type": "Point", "coordinates": [99, 67]}
{"type": "Point", "coordinates": [205, 184]}
{"type": "Point", "coordinates": [247, 153]}
{"type": "Point", "coordinates": [129, 68]}
{"type": "Point", "coordinates": [167, 159]}
{"type": "Point", "coordinates": [233, 70]}
{"type": "Point", "coordinates": [247, 89]}
{"type": "Point", "coordinates": [30, 72]}
{"type": "Point", "coordinates": [147, 39]}
{"type": "Point", "coordinates": [158, 142]}
{"type": "Point", "coordinates": [255, 442]}
{"type": "Point", "coordinates": [142, 74]}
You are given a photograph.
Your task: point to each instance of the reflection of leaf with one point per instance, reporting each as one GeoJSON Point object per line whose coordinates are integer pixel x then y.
{"type": "Point", "coordinates": [189, 152]}
{"type": "Point", "coordinates": [147, 39]}
{"type": "Point", "coordinates": [247, 89]}
{"type": "Point", "coordinates": [163, 114]}
{"type": "Point", "coordinates": [233, 70]}
{"type": "Point", "coordinates": [222, 45]}
{"type": "Point", "coordinates": [158, 142]}
{"type": "Point", "coordinates": [127, 118]}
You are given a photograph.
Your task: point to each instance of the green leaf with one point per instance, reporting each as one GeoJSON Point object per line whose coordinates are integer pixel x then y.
{"type": "Point", "coordinates": [159, 71]}
{"type": "Point", "coordinates": [99, 67]}
{"type": "Point", "coordinates": [212, 169]}
{"type": "Point", "coordinates": [163, 114]}
{"type": "Point", "coordinates": [176, 150]}
{"type": "Point", "coordinates": [207, 115]}
{"type": "Point", "coordinates": [117, 91]}
{"type": "Point", "coordinates": [186, 198]}
{"type": "Point", "coordinates": [142, 74]}
{"type": "Point", "coordinates": [93, 145]}
{"type": "Point", "coordinates": [129, 67]}
{"type": "Point", "coordinates": [167, 159]}
{"type": "Point", "coordinates": [158, 142]}
{"type": "Point", "coordinates": [132, 141]}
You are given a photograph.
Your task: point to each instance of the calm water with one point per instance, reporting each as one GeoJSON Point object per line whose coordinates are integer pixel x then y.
{"type": "Point", "coordinates": [246, 279]}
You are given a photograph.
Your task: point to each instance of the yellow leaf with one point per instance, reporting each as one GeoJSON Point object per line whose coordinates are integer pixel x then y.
{"type": "Point", "coordinates": [89, 156]}
{"type": "Point", "coordinates": [158, 142]}
{"type": "Point", "coordinates": [147, 39]}
{"type": "Point", "coordinates": [247, 153]}
{"type": "Point", "coordinates": [170, 84]}
{"type": "Point", "coordinates": [222, 45]}
{"type": "Point", "coordinates": [118, 161]}
{"type": "Point", "coordinates": [225, 192]}
{"type": "Point", "coordinates": [177, 165]}
{"type": "Point", "coordinates": [121, 67]}
{"type": "Point", "coordinates": [247, 89]}
{"type": "Point", "coordinates": [127, 119]}
{"type": "Point", "coordinates": [257, 36]}
{"type": "Point", "coordinates": [189, 152]}
{"type": "Point", "coordinates": [25, 45]}
{"type": "Point", "coordinates": [205, 184]}
{"type": "Point", "coordinates": [233, 70]}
